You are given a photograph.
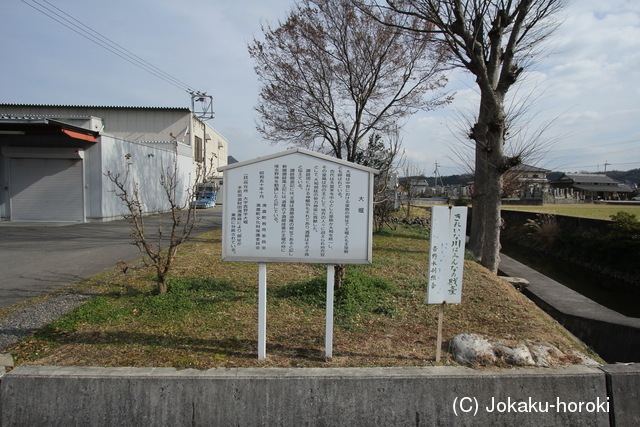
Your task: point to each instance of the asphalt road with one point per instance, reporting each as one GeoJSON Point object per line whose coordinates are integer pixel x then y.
{"type": "Point", "coordinates": [40, 257]}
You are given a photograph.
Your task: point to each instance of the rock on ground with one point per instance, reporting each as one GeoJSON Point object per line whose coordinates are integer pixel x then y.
{"type": "Point", "coordinates": [472, 349]}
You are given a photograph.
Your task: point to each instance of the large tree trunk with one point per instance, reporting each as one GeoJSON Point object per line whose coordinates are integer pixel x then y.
{"type": "Point", "coordinates": [492, 220]}
{"type": "Point", "coordinates": [338, 277]}
{"type": "Point", "coordinates": [476, 234]}
{"type": "Point", "coordinates": [491, 164]}
{"type": "Point", "coordinates": [479, 133]}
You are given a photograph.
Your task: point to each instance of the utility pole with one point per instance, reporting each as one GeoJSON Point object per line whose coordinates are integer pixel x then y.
{"type": "Point", "coordinates": [205, 112]}
{"type": "Point", "coordinates": [606, 163]}
{"type": "Point", "coordinates": [437, 174]}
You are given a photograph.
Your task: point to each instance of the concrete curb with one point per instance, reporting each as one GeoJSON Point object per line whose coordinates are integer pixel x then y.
{"type": "Point", "coordinates": [577, 395]}
{"type": "Point", "coordinates": [623, 387]}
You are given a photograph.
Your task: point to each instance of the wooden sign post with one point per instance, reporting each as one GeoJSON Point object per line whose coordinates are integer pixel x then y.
{"type": "Point", "coordinates": [439, 336]}
{"type": "Point", "coordinates": [446, 260]}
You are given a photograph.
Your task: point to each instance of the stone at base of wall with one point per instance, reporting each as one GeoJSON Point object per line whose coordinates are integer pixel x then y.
{"type": "Point", "coordinates": [6, 360]}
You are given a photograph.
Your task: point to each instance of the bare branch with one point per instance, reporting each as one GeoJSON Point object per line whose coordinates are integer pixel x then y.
{"type": "Point", "coordinates": [494, 40]}
{"type": "Point", "coordinates": [181, 224]}
{"type": "Point", "coordinates": [331, 75]}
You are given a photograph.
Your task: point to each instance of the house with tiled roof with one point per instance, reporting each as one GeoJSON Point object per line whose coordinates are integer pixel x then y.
{"type": "Point", "coordinates": [525, 182]}
{"type": "Point", "coordinates": [592, 186]}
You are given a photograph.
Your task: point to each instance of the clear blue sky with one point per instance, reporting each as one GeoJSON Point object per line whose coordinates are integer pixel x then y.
{"type": "Point", "coordinates": [589, 78]}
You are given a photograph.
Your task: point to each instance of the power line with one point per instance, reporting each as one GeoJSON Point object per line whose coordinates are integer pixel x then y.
{"type": "Point", "coordinates": [120, 47]}
{"type": "Point", "coordinates": [106, 43]}
{"type": "Point", "coordinates": [597, 166]}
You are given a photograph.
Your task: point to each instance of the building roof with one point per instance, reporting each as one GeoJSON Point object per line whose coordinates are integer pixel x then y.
{"type": "Point", "coordinates": [584, 178]}
{"type": "Point", "coordinates": [21, 125]}
{"type": "Point", "coordinates": [588, 178]}
{"type": "Point", "coordinates": [528, 168]}
{"type": "Point", "coordinates": [94, 106]}
{"type": "Point", "coordinates": [592, 182]}
{"type": "Point", "coordinates": [620, 188]}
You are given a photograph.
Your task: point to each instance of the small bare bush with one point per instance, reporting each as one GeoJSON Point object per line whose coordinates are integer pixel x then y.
{"type": "Point", "coordinates": [544, 230]}
{"type": "Point", "coordinates": [161, 247]}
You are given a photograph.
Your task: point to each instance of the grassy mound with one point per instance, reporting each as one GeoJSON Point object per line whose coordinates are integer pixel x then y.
{"type": "Point", "coordinates": [208, 317]}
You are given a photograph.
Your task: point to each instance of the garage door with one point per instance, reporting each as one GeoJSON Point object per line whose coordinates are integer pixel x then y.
{"type": "Point", "coordinates": [46, 190]}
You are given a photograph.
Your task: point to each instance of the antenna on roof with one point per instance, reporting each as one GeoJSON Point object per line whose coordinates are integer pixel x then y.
{"type": "Point", "coordinates": [205, 110]}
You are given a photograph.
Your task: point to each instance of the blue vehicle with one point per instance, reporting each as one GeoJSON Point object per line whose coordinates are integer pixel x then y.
{"type": "Point", "coordinates": [206, 196]}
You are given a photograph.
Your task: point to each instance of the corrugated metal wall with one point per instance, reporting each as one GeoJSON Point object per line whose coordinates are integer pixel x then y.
{"type": "Point", "coordinates": [46, 190]}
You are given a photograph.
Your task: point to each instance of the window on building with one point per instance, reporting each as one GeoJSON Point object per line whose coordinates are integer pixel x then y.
{"type": "Point", "coordinates": [198, 150]}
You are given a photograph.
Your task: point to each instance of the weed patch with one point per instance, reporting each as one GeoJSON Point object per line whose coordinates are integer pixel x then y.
{"type": "Point", "coordinates": [359, 296]}
{"type": "Point", "coordinates": [99, 310]}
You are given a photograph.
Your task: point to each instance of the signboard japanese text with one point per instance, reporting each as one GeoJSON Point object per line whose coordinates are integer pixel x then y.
{"type": "Point", "coordinates": [297, 206]}
{"type": "Point", "coordinates": [446, 255]}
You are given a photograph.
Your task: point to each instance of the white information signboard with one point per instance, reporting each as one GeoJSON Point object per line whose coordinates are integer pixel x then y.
{"type": "Point", "coordinates": [446, 255]}
{"type": "Point", "coordinates": [297, 206]}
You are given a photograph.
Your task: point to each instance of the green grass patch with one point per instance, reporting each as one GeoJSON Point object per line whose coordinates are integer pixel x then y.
{"type": "Point", "coordinates": [185, 295]}
{"type": "Point", "coordinates": [99, 310]}
{"type": "Point", "coordinates": [359, 296]}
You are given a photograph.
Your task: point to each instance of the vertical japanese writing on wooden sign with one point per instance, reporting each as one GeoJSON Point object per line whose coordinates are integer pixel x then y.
{"type": "Point", "coordinates": [298, 208]}
{"type": "Point", "coordinates": [446, 255]}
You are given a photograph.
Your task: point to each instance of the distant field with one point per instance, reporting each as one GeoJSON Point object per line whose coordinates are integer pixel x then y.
{"type": "Point", "coordinates": [602, 211]}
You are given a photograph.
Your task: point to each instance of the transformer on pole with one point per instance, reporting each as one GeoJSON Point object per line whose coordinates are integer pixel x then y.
{"type": "Point", "coordinates": [205, 103]}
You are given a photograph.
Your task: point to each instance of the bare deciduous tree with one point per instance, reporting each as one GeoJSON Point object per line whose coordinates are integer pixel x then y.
{"type": "Point", "coordinates": [331, 75]}
{"type": "Point", "coordinates": [382, 156]}
{"type": "Point", "coordinates": [411, 188]}
{"type": "Point", "coordinates": [156, 244]}
{"type": "Point", "coordinates": [494, 40]}
{"type": "Point", "coordinates": [531, 144]}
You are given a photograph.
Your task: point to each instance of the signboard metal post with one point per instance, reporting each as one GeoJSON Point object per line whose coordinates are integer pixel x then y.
{"type": "Point", "coordinates": [262, 310]}
{"type": "Point", "coordinates": [439, 336]}
{"type": "Point", "coordinates": [328, 344]}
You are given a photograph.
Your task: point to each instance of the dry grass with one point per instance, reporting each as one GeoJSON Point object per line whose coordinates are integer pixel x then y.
{"type": "Point", "coordinates": [129, 326]}
{"type": "Point", "coordinates": [593, 211]}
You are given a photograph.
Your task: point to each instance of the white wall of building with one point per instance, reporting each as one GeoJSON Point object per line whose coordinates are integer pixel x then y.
{"type": "Point", "coordinates": [147, 164]}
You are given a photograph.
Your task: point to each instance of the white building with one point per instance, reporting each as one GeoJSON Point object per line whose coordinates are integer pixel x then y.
{"type": "Point", "coordinates": [53, 159]}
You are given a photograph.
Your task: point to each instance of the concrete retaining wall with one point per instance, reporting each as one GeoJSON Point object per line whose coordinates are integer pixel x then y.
{"type": "Point", "coordinates": [623, 387]}
{"type": "Point", "coordinates": [578, 395]}
{"type": "Point", "coordinates": [615, 337]}
{"type": "Point", "coordinates": [519, 218]}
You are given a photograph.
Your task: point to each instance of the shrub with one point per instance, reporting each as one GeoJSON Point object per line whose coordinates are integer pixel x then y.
{"type": "Point", "coordinates": [624, 226]}
{"type": "Point", "coordinates": [544, 230]}
{"type": "Point", "coordinates": [461, 201]}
